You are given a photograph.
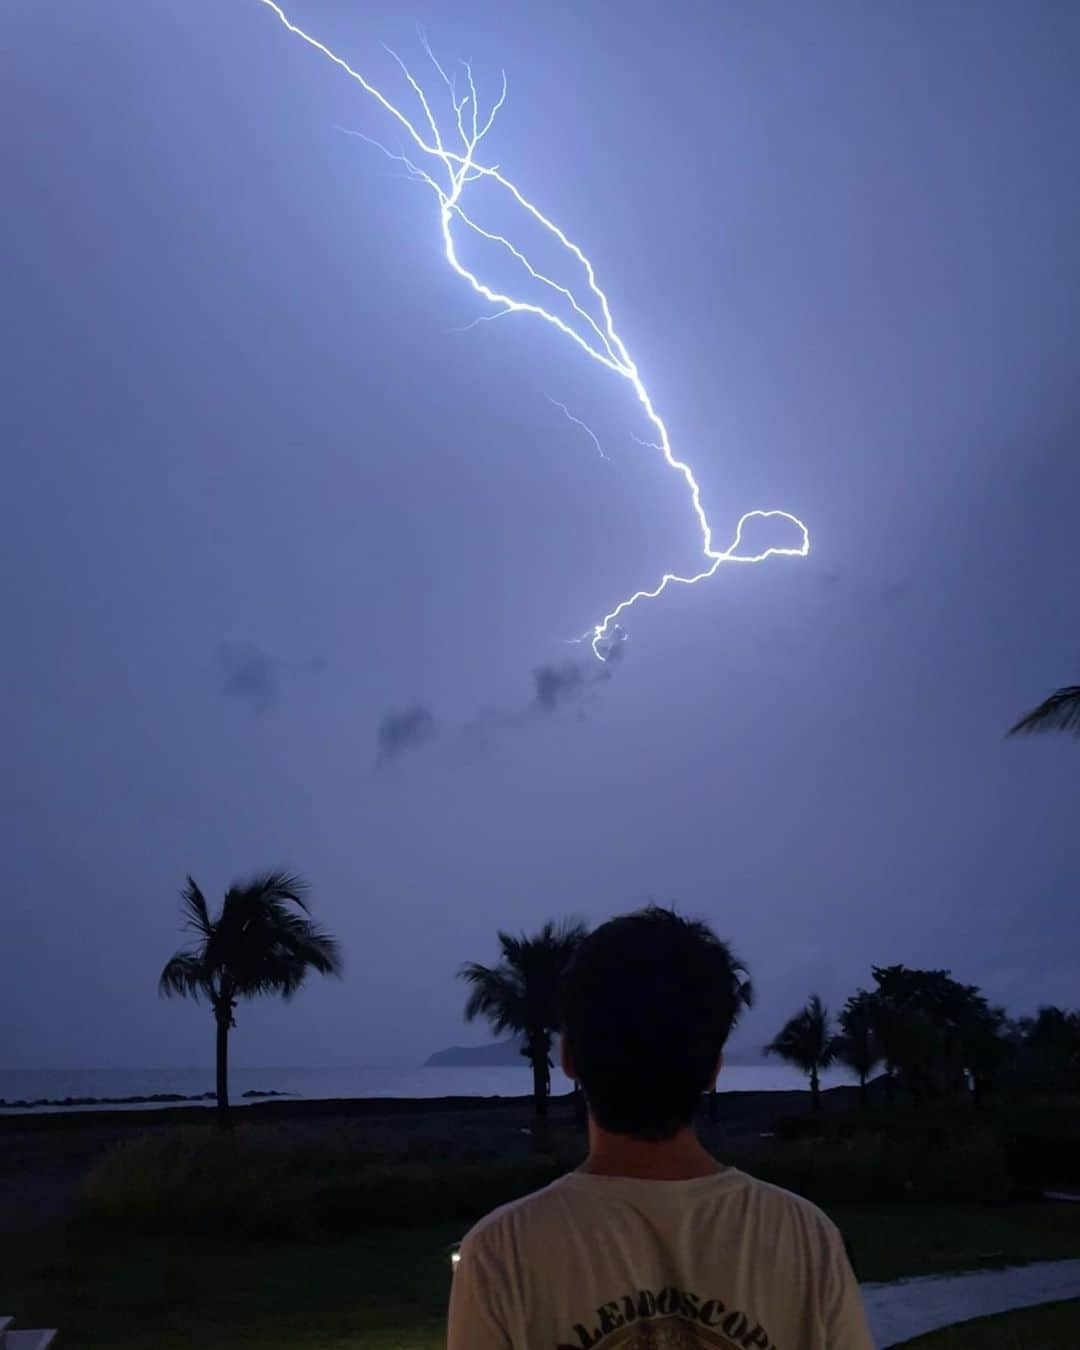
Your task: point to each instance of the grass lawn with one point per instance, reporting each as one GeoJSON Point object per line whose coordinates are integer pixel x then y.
{"type": "Point", "coordinates": [890, 1241]}
{"type": "Point", "coordinates": [381, 1291]}
{"type": "Point", "coordinates": [387, 1290]}
{"type": "Point", "coordinates": [1054, 1326]}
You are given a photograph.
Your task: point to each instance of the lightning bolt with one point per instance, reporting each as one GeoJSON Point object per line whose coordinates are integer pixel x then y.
{"type": "Point", "coordinates": [578, 423]}
{"type": "Point", "coordinates": [446, 162]}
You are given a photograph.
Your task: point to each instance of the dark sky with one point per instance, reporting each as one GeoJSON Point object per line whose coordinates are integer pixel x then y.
{"type": "Point", "coordinates": [283, 549]}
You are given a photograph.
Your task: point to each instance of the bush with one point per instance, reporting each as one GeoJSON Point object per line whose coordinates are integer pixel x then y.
{"type": "Point", "coordinates": [856, 1168]}
{"type": "Point", "coordinates": [270, 1181]}
{"type": "Point", "coordinates": [973, 1168]}
{"type": "Point", "coordinates": [1042, 1160]}
{"type": "Point", "coordinates": [200, 1181]}
{"type": "Point", "coordinates": [408, 1194]}
{"type": "Point", "coordinates": [1033, 1141]}
{"type": "Point", "coordinates": [301, 1180]}
{"type": "Point", "coordinates": [1033, 1073]}
{"type": "Point", "coordinates": [871, 1166]}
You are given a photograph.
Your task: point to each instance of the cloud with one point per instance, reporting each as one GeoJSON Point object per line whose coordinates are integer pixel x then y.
{"type": "Point", "coordinates": [611, 648]}
{"type": "Point", "coordinates": [555, 687]}
{"type": "Point", "coordinates": [556, 684]}
{"type": "Point", "coordinates": [400, 731]}
{"type": "Point", "coordinates": [248, 674]}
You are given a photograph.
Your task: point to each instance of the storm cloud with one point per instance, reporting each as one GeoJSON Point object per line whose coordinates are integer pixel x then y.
{"type": "Point", "coordinates": [555, 685]}
{"type": "Point", "coordinates": [249, 675]}
{"type": "Point", "coordinates": [406, 730]}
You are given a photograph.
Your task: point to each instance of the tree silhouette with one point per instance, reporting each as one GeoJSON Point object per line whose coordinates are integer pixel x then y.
{"type": "Point", "coordinates": [1054, 1038]}
{"type": "Point", "coordinates": [1059, 712]}
{"type": "Point", "coordinates": [987, 1047]}
{"type": "Point", "coordinates": [519, 994]}
{"type": "Point", "coordinates": [806, 1042]}
{"type": "Point", "coordinates": [922, 1019]}
{"type": "Point", "coordinates": [738, 977]}
{"type": "Point", "coordinates": [1055, 1030]}
{"type": "Point", "coordinates": [858, 1046]}
{"type": "Point", "coordinates": [258, 944]}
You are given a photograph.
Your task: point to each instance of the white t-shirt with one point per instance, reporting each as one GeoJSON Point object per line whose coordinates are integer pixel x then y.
{"type": "Point", "coordinates": [722, 1262]}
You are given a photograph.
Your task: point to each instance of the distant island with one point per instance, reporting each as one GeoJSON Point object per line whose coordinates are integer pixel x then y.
{"type": "Point", "coordinates": [498, 1055]}
{"type": "Point", "coordinates": [155, 1099]}
{"type": "Point", "coordinates": [504, 1053]}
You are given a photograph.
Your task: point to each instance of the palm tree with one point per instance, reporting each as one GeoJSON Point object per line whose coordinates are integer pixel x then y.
{"type": "Point", "coordinates": [857, 1046]}
{"type": "Point", "coordinates": [519, 994]}
{"type": "Point", "coordinates": [806, 1042]}
{"type": "Point", "coordinates": [1059, 712]}
{"type": "Point", "coordinates": [256, 945]}
{"type": "Point", "coordinates": [737, 978]}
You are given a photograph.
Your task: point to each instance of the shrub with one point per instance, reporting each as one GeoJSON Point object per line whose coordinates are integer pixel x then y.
{"type": "Point", "coordinates": [872, 1166]}
{"type": "Point", "coordinates": [1043, 1160]}
{"type": "Point", "coordinates": [199, 1181]}
{"type": "Point", "coordinates": [855, 1168]}
{"type": "Point", "coordinates": [267, 1181]}
{"type": "Point", "coordinates": [300, 1181]}
{"type": "Point", "coordinates": [402, 1195]}
{"type": "Point", "coordinates": [973, 1167]}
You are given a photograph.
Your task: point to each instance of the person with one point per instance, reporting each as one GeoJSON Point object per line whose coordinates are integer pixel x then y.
{"type": "Point", "coordinates": [652, 1244]}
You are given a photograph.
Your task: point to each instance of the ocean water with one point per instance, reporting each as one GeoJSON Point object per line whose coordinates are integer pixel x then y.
{"type": "Point", "coordinates": [405, 1081]}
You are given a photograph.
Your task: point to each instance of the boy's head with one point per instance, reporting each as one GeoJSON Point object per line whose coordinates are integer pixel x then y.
{"type": "Point", "coordinates": [646, 1004]}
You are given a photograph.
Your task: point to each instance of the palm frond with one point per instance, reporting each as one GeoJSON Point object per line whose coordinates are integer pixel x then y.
{"type": "Point", "coordinates": [858, 1045]}
{"type": "Point", "coordinates": [1059, 712]}
{"type": "Point", "coordinates": [303, 952]}
{"type": "Point", "coordinates": [193, 903]}
{"type": "Point", "coordinates": [281, 885]}
{"type": "Point", "coordinates": [804, 1040]}
{"type": "Point", "coordinates": [264, 891]}
{"type": "Point", "coordinates": [520, 993]}
{"type": "Point", "coordinates": [321, 952]}
{"type": "Point", "coordinates": [497, 994]}
{"type": "Point", "coordinates": [185, 976]}
{"type": "Point", "coordinates": [259, 944]}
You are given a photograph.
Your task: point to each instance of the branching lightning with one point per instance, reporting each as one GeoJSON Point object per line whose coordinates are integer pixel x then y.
{"type": "Point", "coordinates": [578, 423]}
{"type": "Point", "coordinates": [445, 161]}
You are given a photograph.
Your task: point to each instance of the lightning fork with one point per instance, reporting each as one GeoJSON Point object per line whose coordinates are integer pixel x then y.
{"type": "Point", "coordinates": [443, 158]}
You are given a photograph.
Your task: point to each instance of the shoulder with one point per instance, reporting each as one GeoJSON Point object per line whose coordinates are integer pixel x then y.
{"type": "Point", "coordinates": [503, 1229]}
{"type": "Point", "coordinates": [787, 1209]}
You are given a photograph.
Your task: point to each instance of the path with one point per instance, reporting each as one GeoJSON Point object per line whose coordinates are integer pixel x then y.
{"type": "Point", "coordinates": [903, 1309]}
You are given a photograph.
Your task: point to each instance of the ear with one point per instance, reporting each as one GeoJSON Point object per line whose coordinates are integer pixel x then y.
{"type": "Point", "coordinates": [565, 1061]}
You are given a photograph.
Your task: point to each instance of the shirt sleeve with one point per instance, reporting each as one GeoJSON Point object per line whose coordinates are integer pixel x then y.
{"type": "Point", "coordinates": [846, 1326]}
{"type": "Point", "coordinates": [476, 1298]}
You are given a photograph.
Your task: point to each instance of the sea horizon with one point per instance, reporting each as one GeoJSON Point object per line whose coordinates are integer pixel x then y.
{"type": "Point", "coordinates": [54, 1086]}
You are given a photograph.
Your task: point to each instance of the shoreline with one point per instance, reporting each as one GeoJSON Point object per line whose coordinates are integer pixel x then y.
{"type": "Point", "coordinates": [149, 1099]}
{"type": "Point", "coordinates": [736, 1103]}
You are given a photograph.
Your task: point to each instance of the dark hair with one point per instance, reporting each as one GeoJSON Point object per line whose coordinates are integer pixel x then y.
{"type": "Point", "coordinates": [646, 1004]}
